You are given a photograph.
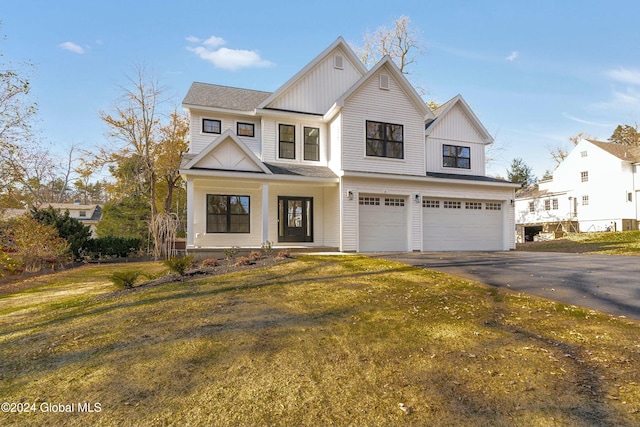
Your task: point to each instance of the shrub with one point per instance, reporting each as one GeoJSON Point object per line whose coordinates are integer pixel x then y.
{"type": "Point", "coordinates": [209, 263]}
{"type": "Point", "coordinates": [179, 264]}
{"type": "Point", "coordinates": [285, 253]}
{"type": "Point", "coordinates": [243, 260]}
{"type": "Point", "coordinates": [124, 279]}
{"type": "Point", "coordinates": [255, 256]}
{"type": "Point", "coordinates": [113, 246]}
{"type": "Point", "coordinates": [70, 229]}
{"type": "Point", "coordinates": [267, 248]}
{"type": "Point", "coordinates": [230, 253]}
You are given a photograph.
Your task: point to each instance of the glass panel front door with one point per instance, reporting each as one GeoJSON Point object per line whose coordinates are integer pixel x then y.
{"type": "Point", "coordinates": [295, 219]}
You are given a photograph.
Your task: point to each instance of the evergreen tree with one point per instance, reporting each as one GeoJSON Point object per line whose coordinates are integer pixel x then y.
{"type": "Point", "coordinates": [520, 173]}
{"type": "Point", "coordinates": [70, 229]}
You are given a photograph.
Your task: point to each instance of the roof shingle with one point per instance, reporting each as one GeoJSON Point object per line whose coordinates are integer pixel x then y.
{"type": "Point", "coordinates": [225, 97]}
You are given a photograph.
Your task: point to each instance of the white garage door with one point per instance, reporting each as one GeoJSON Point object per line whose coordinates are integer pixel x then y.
{"type": "Point", "coordinates": [382, 223]}
{"type": "Point", "coordinates": [461, 225]}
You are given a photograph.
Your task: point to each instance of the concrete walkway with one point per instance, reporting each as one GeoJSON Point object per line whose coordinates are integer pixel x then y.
{"type": "Point", "coordinates": [607, 283]}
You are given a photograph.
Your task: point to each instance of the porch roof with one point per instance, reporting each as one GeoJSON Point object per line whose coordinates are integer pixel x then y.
{"type": "Point", "coordinates": [301, 170]}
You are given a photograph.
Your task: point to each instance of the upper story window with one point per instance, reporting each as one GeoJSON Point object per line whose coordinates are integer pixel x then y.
{"type": "Point", "coordinates": [585, 200]}
{"type": "Point", "coordinates": [385, 140]}
{"type": "Point", "coordinates": [583, 154]}
{"type": "Point", "coordinates": [311, 143]}
{"type": "Point", "coordinates": [555, 204]}
{"type": "Point", "coordinates": [227, 214]}
{"type": "Point", "coordinates": [584, 176]}
{"type": "Point", "coordinates": [246, 129]}
{"type": "Point", "coordinates": [454, 156]}
{"type": "Point", "coordinates": [211, 126]}
{"type": "Point", "coordinates": [82, 214]}
{"type": "Point", "coordinates": [287, 141]}
{"type": "Point", "coordinates": [532, 207]}
{"type": "Point", "coordinates": [547, 205]}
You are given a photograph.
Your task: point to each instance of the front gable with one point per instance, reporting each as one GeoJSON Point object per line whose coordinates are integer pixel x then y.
{"type": "Point", "coordinates": [316, 87]}
{"type": "Point", "coordinates": [228, 153]}
{"type": "Point", "coordinates": [456, 121]}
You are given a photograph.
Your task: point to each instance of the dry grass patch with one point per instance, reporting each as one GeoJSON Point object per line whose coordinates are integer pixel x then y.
{"type": "Point", "coordinates": [322, 341]}
{"type": "Point", "coordinates": [613, 243]}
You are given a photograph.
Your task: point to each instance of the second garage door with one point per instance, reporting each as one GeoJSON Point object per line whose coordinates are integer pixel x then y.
{"type": "Point", "coordinates": [460, 225]}
{"type": "Point", "coordinates": [382, 223]}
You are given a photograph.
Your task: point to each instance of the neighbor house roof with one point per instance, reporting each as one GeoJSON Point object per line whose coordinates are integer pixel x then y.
{"type": "Point", "coordinates": [623, 152]}
{"type": "Point", "coordinates": [223, 97]}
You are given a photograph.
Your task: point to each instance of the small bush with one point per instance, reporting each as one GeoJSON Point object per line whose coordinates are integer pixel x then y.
{"type": "Point", "coordinates": [230, 253]}
{"type": "Point", "coordinates": [209, 263]}
{"type": "Point", "coordinates": [255, 256]}
{"type": "Point", "coordinates": [243, 260]}
{"type": "Point", "coordinates": [267, 248]}
{"type": "Point", "coordinates": [179, 264]}
{"type": "Point", "coordinates": [285, 253]}
{"type": "Point", "coordinates": [124, 279]}
{"type": "Point", "coordinates": [113, 246]}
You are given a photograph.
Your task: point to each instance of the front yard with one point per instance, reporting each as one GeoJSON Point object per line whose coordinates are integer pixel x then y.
{"type": "Point", "coordinates": [315, 341]}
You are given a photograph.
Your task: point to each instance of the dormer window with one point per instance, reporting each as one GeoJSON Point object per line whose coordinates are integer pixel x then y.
{"type": "Point", "coordinates": [454, 156]}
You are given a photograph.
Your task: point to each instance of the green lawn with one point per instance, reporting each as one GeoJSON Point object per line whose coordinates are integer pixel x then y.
{"type": "Point", "coordinates": [614, 243]}
{"type": "Point", "coordinates": [315, 341]}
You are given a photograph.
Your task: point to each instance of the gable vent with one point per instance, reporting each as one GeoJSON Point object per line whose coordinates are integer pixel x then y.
{"type": "Point", "coordinates": [337, 62]}
{"type": "Point", "coordinates": [384, 81]}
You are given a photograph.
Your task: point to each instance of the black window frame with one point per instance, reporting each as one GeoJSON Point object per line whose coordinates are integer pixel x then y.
{"type": "Point", "coordinates": [286, 143]}
{"type": "Point", "coordinates": [219, 122]}
{"type": "Point", "coordinates": [253, 129]}
{"type": "Point", "coordinates": [452, 156]}
{"type": "Point", "coordinates": [229, 215]}
{"type": "Point", "coordinates": [382, 146]}
{"type": "Point", "coordinates": [311, 145]}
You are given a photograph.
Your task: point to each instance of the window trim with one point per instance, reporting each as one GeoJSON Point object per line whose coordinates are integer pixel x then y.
{"type": "Point", "coordinates": [455, 158]}
{"type": "Point", "coordinates": [212, 120]}
{"type": "Point", "coordinates": [385, 141]}
{"type": "Point", "coordinates": [280, 141]}
{"type": "Point", "coordinates": [253, 129]}
{"type": "Point", "coordinates": [228, 214]}
{"type": "Point", "coordinates": [305, 144]}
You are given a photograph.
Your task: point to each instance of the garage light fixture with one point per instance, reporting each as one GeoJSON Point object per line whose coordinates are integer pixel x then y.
{"type": "Point", "coordinates": [350, 195]}
{"type": "Point", "coordinates": [417, 198]}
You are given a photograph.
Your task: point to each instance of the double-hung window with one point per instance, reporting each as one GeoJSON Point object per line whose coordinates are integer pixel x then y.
{"type": "Point", "coordinates": [287, 141]}
{"type": "Point", "coordinates": [211, 126]}
{"type": "Point", "coordinates": [311, 143]}
{"type": "Point", "coordinates": [454, 156]}
{"type": "Point", "coordinates": [227, 214]}
{"type": "Point", "coordinates": [385, 140]}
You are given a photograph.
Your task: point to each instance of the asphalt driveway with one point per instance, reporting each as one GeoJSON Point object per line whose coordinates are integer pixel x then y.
{"type": "Point", "coordinates": [607, 283]}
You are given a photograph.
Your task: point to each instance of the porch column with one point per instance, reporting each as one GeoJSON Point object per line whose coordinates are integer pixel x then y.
{"type": "Point", "coordinates": [265, 212]}
{"type": "Point", "coordinates": [190, 203]}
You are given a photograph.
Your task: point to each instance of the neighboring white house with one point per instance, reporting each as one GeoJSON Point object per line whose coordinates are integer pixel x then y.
{"type": "Point", "coordinates": [595, 188]}
{"type": "Point", "coordinates": [343, 158]}
{"type": "Point", "coordinates": [88, 215]}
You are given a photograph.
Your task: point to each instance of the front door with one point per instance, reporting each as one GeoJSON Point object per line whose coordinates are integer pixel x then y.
{"type": "Point", "coordinates": [295, 219]}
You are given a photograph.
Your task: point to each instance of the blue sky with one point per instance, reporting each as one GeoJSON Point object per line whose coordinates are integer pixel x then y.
{"type": "Point", "coordinates": [535, 73]}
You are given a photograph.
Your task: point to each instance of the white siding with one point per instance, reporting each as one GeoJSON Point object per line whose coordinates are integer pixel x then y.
{"type": "Point", "coordinates": [334, 154]}
{"type": "Point", "coordinates": [318, 90]}
{"type": "Point", "coordinates": [199, 139]}
{"type": "Point", "coordinates": [389, 106]}
{"type": "Point", "coordinates": [455, 129]}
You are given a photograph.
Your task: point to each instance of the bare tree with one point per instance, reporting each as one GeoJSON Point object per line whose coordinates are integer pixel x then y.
{"type": "Point", "coordinates": [402, 43]}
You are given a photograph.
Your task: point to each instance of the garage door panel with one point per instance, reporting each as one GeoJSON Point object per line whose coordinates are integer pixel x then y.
{"type": "Point", "coordinates": [462, 226]}
{"type": "Point", "coordinates": [382, 227]}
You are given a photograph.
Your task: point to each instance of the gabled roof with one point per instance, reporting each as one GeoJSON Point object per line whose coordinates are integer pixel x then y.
{"type": "Point", "coordinates": [341, 43]}
{"type": "Point", "coordinates": [387, 62]}
{"type": "Point", "coordinates": [442, 111]}
{"type": "Point", "coordinates": [223, 97]}
{"type": "Point", "coordinates": [623, 152]}
{"type": "Point", "coordinates": [227, 135]}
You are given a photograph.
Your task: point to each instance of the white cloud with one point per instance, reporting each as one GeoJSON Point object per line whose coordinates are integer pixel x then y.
{"type": "Point", "coordinates": [586, 122]}
{"type": "Point", "coordinates": [624, 75]}
{"type": "Point", "coordinates": [514, 55]}
{"type": "Point", "coordinates": [72, 47]}
{"type": "Point", "coordinates": [224, 58]}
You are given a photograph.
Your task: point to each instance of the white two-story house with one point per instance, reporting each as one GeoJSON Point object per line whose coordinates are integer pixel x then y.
{"type": "Point", "coordinates": [595, 188]}
{"type": "Point", "coordinates": [340, 157]}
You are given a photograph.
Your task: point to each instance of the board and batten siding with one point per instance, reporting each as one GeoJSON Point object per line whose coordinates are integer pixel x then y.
{"type": "Point", "coordinates": [370, 102]}
{"type": "Point", "coordinates": [455, 129]}
{"type": "Point", "coordinates": [320, 87]}
{"type": "Point", "coordinates": [200, 140]}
